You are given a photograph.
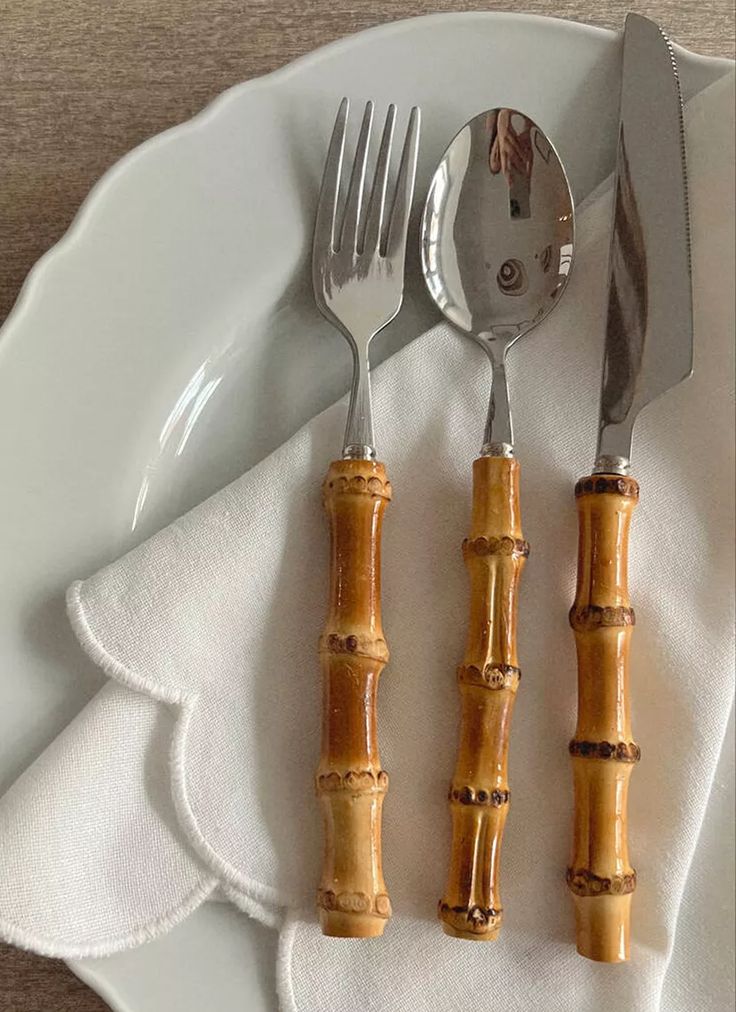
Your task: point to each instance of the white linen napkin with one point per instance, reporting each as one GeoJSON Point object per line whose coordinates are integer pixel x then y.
{"type": "Point", "coordinates": [193, 770]}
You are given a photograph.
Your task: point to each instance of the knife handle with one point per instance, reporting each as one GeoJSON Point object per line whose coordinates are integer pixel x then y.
{"type": "Point", "coordinates": [603, 753]}
{"type": "Point", "coordinates": [350, 783]}
{"type": "Point", "coordinates": [488, 678]}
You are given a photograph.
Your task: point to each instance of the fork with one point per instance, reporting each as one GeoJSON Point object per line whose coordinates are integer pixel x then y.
{"type": "Point", "coordinates": [358, 277]}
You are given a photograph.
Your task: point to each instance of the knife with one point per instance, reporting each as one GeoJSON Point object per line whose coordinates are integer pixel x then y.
{"type": "Point", "coordinates": [648, 350]}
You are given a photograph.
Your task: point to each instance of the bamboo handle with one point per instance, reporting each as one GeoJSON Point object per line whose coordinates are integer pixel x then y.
{"type": "Point", "coordinates": [351, 898]}
{"type": "Point", "coordinates": [603, 753]}
{"type": "Point", "coordinates": [489, 676]}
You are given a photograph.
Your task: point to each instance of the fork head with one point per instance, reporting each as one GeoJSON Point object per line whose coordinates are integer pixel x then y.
{"type": "Point", "coordinates": [358, 252]}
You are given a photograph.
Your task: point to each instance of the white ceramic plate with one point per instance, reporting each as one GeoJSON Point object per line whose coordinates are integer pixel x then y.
{"type": "Point", "coordinates": [170, 340]}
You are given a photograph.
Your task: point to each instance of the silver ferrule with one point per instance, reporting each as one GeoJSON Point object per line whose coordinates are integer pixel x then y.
{"type": "Point", "coordinates": [606, 464]}
{"type": "Point", "coordinates": [497, 450]}
{"type": "Point", "coordinates": [358, 451]}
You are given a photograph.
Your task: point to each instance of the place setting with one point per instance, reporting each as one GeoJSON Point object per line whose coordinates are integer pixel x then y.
{"type": "Point", "coordinates": [387, 672]}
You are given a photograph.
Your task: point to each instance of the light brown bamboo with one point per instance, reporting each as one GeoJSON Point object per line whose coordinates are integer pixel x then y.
{"type": "Point", "coordinates": [352, 898]}
{"type": "Point", "coordinates": [603, 752]}
{"type": "Point", "coordinates": [494, 554]}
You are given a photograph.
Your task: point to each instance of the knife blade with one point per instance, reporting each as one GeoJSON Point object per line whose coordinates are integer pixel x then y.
{"type": "Point", "coordinates": [648, 350]}
{"type": "Point", "coordinates": [649, 332]}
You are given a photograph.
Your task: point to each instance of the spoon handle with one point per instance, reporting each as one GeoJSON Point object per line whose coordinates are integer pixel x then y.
{"type": "Point", "coordinates": [494, 554]}
{"type": "Point", "coordinates": [603, 753]}
{"type": "Point", "coordinates": [351, 898]}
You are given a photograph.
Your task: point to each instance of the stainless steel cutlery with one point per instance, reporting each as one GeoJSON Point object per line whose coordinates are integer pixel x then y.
{"type": "Point", "coordinates": [648, 350]}
{"type": "Point", "coordinates": [358, 277]}
{"type": "Point", "coordinates": [497, 246]}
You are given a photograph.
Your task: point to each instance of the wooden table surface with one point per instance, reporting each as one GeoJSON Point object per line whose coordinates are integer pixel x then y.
{"type": "Point", "coordinates": [84, 81]}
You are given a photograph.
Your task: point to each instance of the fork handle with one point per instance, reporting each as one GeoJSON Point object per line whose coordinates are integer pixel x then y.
{"type": "Point", "coordinates": [494, 554]}
{"type": "Point", "coordinates": [350, 782]}
{"type": "Point", "coordinates": [600, 875]}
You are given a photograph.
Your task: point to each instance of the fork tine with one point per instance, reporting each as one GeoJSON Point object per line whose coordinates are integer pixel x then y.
{"type": "Point", "coordinates": [324, 228]}
{"type": "Point", "coordinates": [377, 204]}
{"type": "Point", "coordinates": [351, 220]}
{"type": "Point", "coordinates": [399, 221]}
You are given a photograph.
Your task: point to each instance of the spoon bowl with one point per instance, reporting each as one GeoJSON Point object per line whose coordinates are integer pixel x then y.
{"type": "Point", "coordinates": [497, 240]}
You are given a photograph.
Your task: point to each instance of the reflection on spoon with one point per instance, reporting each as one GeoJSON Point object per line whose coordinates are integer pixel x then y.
{"type": "Point", "coordinates": [511, 153]}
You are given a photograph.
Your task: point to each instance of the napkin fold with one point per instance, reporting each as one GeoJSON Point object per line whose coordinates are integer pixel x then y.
{"type": "Point", "coordinates": [193, 770]}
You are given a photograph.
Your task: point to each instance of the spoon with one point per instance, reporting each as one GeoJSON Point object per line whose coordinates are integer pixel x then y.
{"type": "Point", "coordinates": [497, 248]}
